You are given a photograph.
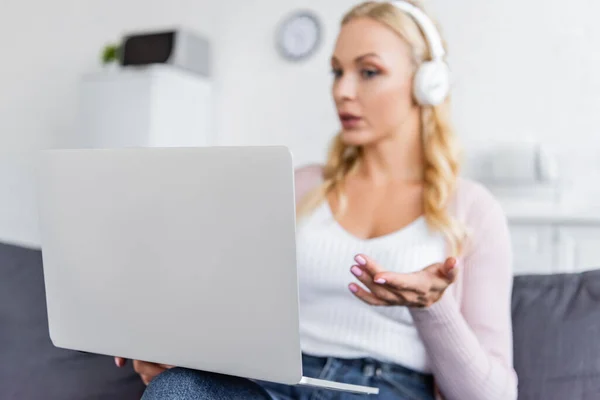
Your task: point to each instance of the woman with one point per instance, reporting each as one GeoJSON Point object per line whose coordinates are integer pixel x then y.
{"type": "Point", "coordinates": [424, 310]}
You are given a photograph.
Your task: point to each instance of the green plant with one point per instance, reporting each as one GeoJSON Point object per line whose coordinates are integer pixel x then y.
{"type": "Point", "coordinates": [110, 53]}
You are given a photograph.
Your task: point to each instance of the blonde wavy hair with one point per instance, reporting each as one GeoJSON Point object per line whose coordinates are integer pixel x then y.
{"type": "Point", "coordinates": [441, 151]}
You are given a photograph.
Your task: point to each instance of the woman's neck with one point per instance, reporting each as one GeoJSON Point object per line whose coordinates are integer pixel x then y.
{"type": "Point", "coordinates": [396, 159]}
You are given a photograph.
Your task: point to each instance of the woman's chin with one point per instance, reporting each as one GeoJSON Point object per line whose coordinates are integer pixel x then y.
{"type": "Point", "coordinates": [356, 137]}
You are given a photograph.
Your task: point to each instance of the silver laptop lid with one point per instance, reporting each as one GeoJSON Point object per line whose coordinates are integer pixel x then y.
{"type": "Point", "coordinates": [183, 256]}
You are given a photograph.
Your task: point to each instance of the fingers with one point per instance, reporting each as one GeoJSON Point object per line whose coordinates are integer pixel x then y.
{"type": "Point", "coordinates": [436, 277]}
{"type": "Point", "coordinates": [413, 282]}
{"type": "Point", "coordinates": [420, 283]}
{"type": "Point", "coordinates": [391, 287]}
{"type": "Point", "coordinates": [377, 290]}
{"type": "Point", "coordinates": [148, 378]}
{"type": "Point", "coordinates": [449, 269]}
{"type": "Point", "coordinates": [146, 368]}
{"type": "Point", "coordinates": [417, 289]}
{"type": "Point", "coordinates": [368, 264]}
{"type": "Point", "coordinates": [147, 371]}
{"type": "Point", "coordinates": [365, 296]}
{"type": "Point", "coordinates": [120, 362]}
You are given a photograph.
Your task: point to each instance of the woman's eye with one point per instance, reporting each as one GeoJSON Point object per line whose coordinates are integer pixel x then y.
{"type": "Point", "coordinates": [336, 72]}
{"type": "Point", "coordinates": [369, 73]}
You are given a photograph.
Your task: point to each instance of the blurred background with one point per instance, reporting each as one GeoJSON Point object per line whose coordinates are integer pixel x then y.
{"type": "Point", "coordinates": [526, 89]}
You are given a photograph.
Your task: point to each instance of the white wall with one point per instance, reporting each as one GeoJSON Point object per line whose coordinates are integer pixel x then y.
{"type": "Point", "coordinates": [528, 68]}
{"type": "Point", "coordinates": [45, 48]}
{"type": "Point", "coordinates": [522, 68]}
{"type": "Point", "coordinates": [266, 99]}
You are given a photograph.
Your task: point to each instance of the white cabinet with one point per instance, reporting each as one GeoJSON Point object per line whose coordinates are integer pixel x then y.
{"type": "Point", "coordinates": [580, 247]}
{"type": "Point", "coordinates": [555, 246]}
{"type": "Point", "coordinates": [533, 248]}
{"type": "Point", "coordinates": [153, 106]}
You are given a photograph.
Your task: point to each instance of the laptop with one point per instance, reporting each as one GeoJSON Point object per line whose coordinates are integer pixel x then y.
{"type": "Point", "coordinates": [181, 256]}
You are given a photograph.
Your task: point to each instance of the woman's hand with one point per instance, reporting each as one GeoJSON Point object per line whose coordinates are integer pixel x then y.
{"type": "Point", "coordinates": [416, 289]}
{"type": "Point", "coordinates": [146, 370]}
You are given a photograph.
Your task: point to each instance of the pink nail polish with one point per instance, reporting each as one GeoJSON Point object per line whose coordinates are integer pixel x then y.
{"type": "Point", "coordinates": [361, 260]}
{"type": "Point", "coordinates": [381, 281]}
{"type": "Point", "coordinates": [353, 288]}
{"type": "Point", "coordinates": [356, 271]}
{"type": "Point", "coordinates": [117, 363]}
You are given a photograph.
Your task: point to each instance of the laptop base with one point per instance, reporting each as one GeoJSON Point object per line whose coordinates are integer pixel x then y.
{"type": "Point", "coordinates": [345, 387]}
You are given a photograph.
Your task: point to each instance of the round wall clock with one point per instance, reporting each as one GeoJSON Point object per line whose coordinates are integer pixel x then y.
{"type": "Point", "coordinates": [299, 36]}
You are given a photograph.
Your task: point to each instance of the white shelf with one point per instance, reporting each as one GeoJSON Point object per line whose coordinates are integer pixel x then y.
{"type": "Point", "coordinates": [550, 213]}
{"type": "Point", "coordinates": [153, 106]}
{"type": "Point", "coordinates": [553, 237]}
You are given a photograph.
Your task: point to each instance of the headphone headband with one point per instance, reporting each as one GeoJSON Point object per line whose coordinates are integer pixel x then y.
{"type": "Point", "coordinates": [431, 33]}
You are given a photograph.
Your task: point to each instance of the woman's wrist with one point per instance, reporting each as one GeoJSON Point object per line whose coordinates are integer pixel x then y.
{"type": "Point", "coordinates": [441, 311]}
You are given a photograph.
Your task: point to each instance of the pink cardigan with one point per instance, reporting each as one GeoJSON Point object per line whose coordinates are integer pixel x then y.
{"type": "Point", "coordinates": [468, 333]}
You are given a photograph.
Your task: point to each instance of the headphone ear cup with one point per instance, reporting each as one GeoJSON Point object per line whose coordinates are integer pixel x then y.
{"type": "Point", "coordinates": [431, 83]}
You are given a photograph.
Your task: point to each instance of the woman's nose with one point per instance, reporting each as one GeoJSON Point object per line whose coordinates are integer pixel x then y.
{"type": "Point", "coordinates": [344, 88]}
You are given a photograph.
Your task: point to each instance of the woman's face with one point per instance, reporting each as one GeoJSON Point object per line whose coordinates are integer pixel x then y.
{"type": "Point", "coordinates": [372, 85]}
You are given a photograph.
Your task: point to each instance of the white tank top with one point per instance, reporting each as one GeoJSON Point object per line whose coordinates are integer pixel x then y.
{"type": "Point", "coordinates": [333, 322]}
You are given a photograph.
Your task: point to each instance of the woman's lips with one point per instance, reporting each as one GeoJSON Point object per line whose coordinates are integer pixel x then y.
{"type": "Point", "coordinates": [350, 121]}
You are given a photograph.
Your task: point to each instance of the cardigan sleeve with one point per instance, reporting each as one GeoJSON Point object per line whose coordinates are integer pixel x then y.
{"type": "Point", "coordinates": [470, 347]}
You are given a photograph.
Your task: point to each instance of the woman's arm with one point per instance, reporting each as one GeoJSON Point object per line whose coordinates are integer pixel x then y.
{"type": "Point", "coordinates": [306, 178]}
{"type": "Point", "coordinates": [470, 348]}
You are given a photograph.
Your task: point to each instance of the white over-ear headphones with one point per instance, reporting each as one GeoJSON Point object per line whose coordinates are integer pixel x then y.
{"type": "Point", "coordinates": [432, 79]}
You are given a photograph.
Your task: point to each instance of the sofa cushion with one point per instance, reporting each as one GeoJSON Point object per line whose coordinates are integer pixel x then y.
{"type": "Point", "coordinates": [31, 367]}
{"type": "Point", "coordinates": [556, 324]}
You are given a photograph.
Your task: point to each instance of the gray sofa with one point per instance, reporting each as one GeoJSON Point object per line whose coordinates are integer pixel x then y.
{"type": "Point", "coordinates": [556, 322]}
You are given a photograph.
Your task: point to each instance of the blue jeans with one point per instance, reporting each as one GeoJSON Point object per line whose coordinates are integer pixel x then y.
{"type": "Point", "coordinates": [394, 382]}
